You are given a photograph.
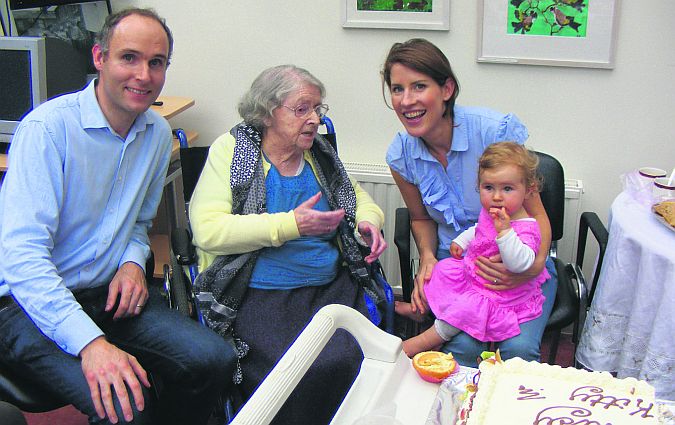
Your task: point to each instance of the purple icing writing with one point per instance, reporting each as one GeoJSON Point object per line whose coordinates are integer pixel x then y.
{"type": "Point", "coordinates": [594, 395]}
{"type": "Point", "coordinates": [565, 415]}
{"type": "Point", "coordinates": [529, 394]}
{"type": "Point", "coordinates": [645, 410]}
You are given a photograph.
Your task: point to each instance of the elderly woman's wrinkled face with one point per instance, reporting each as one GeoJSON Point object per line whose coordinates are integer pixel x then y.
{"type": "Point", "coordinates": [286, 128]}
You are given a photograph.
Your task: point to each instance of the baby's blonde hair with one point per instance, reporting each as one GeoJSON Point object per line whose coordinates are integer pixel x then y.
{"type": "Point", "coordinates": [511, 153]}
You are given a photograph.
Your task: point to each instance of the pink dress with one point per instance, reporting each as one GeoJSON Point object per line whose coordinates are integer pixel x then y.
{"type": "Point", "coordinates": [457, 296]}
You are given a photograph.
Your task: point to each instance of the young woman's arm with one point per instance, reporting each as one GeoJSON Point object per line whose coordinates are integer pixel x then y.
{"type": "Point", "coordinates": [424, 232]}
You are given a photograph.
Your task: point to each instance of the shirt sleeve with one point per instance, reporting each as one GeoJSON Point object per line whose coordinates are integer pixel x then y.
{"type": "Point", "coordinates": [218, 231]}
{"type": "Point", "coordinates": [31, 197]}
{"type": "Point", "coordinates": [516, 255]}
{"type": "Point", "coordinates": [465, 238]}
{"type": "Point", "coordinates": [396, 158]}
{"type": "Point", "coordinates": [511, 129]}
{"type": "Point", "coordinates": [366, 208]}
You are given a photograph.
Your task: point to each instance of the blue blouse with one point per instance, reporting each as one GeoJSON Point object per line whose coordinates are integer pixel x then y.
{"type": "Point", "coordinates": [450, 195]}
{"type": "Point", "coordinates": [307, 260]}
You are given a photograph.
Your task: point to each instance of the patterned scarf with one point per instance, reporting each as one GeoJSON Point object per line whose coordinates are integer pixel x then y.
{"type": "Point", "coordinates": [223, 284]}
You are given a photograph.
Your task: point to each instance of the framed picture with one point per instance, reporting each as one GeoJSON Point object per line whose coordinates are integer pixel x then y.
{"type": "Point", "coordinates": [580, 33]}
{"type": "Point", "coordinates": [409, 14]}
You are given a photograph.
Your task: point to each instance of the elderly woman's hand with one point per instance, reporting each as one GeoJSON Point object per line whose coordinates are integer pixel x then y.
{"type": "Point", "coordinates": [312, 222]}
{"type": "Point", "coordinates": [373, 237]}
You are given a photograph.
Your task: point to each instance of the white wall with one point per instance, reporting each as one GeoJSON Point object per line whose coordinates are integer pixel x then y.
{"type": "Point", "coordinates": [598, 123]}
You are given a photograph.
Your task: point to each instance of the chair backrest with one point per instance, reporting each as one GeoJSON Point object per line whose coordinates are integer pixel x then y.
{"type": "Point", "coordinates": [553, 192]}
{"type": "Point", "coordinates": [192, 162]}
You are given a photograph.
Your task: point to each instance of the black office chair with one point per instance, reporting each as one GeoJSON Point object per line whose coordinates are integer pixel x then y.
{"type": "Point", "coordinates": [571, 297]}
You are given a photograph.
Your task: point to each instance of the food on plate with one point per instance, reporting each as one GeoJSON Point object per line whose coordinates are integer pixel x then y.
{"type": "Point", "coordinates": [516, 392]}
{"type": "Point", "coordinates": [666, 209]}
{"type": "Point", "coordinates": [434, 366]}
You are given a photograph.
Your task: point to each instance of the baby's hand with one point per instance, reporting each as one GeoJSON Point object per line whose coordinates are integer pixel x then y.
{"type": "Point", "coordinates": [501, 219]}
{"type": "Point", "coordinates": [456, 251]}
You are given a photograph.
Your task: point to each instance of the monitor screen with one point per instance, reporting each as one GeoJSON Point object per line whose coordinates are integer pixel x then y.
{"type": "Point", "coordinates": [15, 84]}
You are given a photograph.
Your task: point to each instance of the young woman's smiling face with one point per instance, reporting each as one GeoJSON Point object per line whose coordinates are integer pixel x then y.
{"type": "Point", "coordinates": [418, 100]}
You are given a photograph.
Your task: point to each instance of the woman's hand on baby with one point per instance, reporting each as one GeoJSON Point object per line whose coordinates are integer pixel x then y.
{"type": "Point", "coordinates": [493, 270]}
{"type": "Point", "coordinates": [373, 237]}
{"type": "Point", "coordinates": [312, 222]}
{"type": "Point", "coordinates": [501, 220]}
{"type": "Point", "coordinates": [456, 250]}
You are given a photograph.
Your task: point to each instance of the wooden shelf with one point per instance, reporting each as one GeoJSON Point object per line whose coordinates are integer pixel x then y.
{"type": "Point", "coordinates": [160, 247]}
{"type": "Point", "coordinates": [172, 105]}
{"type": "Point", "coordinates": [3, 163]}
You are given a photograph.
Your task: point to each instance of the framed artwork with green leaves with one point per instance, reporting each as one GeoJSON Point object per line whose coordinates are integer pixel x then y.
{"type": "Point", "coordinates": [579, 33]}
{"type": "Point", "coordinates": [397, 14]}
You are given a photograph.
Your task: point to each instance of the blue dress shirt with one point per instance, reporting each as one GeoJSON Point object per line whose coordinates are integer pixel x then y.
{"type": "Point", "coordinates": [76, 203]}
{"type": "Point", "coordinates": [450, 195]}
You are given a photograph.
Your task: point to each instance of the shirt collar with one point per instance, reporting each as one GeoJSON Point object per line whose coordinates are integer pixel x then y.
{"type": "Point", "coordinates": [460, 138]}
{"type": "Point", "coordinates": [92, 115]}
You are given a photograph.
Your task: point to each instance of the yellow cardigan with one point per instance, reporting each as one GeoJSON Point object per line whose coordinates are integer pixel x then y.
{"type": "Point", "coordinates": [218, 232]}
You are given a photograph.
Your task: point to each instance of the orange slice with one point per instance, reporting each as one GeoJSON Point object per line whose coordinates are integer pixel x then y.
{"type": "Point", "coordinates": [434, 366]}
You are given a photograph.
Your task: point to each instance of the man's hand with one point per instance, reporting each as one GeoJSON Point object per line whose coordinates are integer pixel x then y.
{"type": "Point", "coordinates": [315, 222]}
{"type": "Point", "coordinates": [373, 237]}
{"type": "Point", "coordinates": [106, 366]}
{"type": "Point", "coordinates": [130, 285]}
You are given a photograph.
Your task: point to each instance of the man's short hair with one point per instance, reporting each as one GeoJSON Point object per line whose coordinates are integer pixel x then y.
{"type": "Point", "coordinates": [105, 35]}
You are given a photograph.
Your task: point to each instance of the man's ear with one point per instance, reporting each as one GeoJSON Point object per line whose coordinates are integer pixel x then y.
{"type": "Point", "coordinates": [97, 55]}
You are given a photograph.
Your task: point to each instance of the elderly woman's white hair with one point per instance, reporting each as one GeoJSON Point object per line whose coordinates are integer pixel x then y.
{"type": "Point", "coordinates": [270, 89]}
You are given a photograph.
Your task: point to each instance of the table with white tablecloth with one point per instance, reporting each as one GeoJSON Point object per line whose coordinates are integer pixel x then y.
{"type": "Point", "coordinates": [629, 329]}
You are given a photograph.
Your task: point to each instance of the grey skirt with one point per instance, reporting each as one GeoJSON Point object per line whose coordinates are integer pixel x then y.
{"type": "Point", "coordinates": [270, 320]}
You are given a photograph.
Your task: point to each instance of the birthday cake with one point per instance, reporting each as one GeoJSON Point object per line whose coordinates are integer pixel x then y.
{"type": "Point", "coordinates": [519, 392]}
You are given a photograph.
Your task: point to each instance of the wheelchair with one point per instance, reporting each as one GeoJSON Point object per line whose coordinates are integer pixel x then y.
{"type": "Point", "coordinates": [179, 277]}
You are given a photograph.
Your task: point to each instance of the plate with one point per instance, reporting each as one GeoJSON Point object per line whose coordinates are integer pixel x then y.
{"type": "Point", "coordinates": [660, 218]}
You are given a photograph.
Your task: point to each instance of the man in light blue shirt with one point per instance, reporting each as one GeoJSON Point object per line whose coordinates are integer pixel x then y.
{"type": "Point", "coordinates": [84, 180]}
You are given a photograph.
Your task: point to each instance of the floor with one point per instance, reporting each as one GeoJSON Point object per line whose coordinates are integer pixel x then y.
{"type": "Point", "coordinates": [70, 416]}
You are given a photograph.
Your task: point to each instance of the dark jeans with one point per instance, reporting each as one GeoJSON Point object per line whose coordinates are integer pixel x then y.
{"type": "Point", "coordinates": [192, 363]}
{"type": "Point", "coordinates": [465, 348]}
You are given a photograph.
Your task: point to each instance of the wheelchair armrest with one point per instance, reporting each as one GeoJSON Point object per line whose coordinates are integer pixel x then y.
{"type": "Point", "coordinates": [402, 242]}
{"type": "Point", "coordinates": [590, 220]}
{"type": "Point", "coordinates": [182, 247]}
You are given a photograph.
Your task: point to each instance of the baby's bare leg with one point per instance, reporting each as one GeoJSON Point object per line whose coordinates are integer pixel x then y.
{"type": "Point", "coordinates": [430, 339]}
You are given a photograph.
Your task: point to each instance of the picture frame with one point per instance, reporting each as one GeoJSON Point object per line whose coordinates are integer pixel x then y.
{"type": "Point", "coordinates": [589, 40]}
{"type": "Point", "coordinates": [438, 19]}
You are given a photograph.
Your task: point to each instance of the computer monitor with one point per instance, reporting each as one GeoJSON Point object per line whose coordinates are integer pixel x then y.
{"type": "Point", "coordinates": [32, 70]}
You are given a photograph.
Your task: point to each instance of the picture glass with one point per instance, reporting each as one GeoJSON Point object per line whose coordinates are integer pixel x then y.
{"type": "Point", "coordinates": [568, 18]}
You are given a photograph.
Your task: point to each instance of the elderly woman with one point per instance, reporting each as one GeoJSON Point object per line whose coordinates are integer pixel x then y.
{"type": "Point", "coordinates": [277, 222]}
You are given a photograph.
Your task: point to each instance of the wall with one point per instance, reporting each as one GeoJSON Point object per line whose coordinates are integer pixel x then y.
{"type": "Point", "coordinates": [598, 123]}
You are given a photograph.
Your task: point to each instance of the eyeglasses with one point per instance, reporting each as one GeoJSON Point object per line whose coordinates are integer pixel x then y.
{"type": "Point", "coordinates": [303, 110]}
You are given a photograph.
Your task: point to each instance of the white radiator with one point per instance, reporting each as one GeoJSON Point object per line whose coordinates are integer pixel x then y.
{"type": "Point", "coordinates": [377, 181]}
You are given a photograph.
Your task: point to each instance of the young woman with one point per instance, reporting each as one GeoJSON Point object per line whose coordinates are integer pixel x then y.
{"type": "Point", "coordinates": [434, 163]}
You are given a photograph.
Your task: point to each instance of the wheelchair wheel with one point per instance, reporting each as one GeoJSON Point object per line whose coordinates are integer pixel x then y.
{"type": "Point", "coordinates": [179, 288]}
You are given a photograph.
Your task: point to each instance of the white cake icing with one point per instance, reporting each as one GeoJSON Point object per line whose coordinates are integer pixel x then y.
{"type": "Point", "coordinates": [517, 392]}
